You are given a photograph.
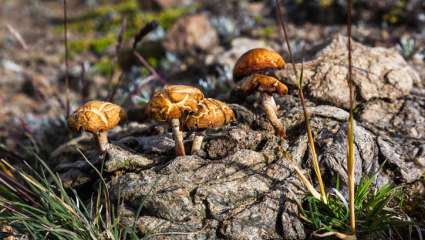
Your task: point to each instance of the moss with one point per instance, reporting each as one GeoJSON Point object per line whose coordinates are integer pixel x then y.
{"type": "Point", "coordinates": [99, 45]}
{"type": "Point", "coordinates": [105, 21]}
{"type": "Point", "coordinates": [78, 46]}
{"type": "Point", "coordinates": [268, 31]}
{"type": "Point", "coordinates": [104, 66]}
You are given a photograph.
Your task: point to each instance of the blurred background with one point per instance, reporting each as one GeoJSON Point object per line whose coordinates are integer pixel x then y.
{"type": "Point", "coordinates": [194, 42]}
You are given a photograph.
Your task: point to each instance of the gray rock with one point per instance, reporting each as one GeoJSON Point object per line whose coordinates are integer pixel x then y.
{"type": "Point", "coordinates": [124, 159]}
{"type": "Point", "coordinates": [191, 33]}
{"type": "Point", "coordinates": [407, 168]}
{"type": "Point", "coordinates": [242, 187]}
{"type": "Point", "coordinates": [156, 228]}
{"type": "Point", "coordinates": [377, 73]}
{"type": "Point", "coordinates": [334, 153]}
{"type": "Point", "coordinates": [256, 221]}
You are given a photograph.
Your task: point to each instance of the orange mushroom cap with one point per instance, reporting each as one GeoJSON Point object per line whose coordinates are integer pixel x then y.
{"type": "Point", "coordinates": [263, 83]}
{"type": "Point", "coordinates": [173, 101]}
{"type": "Point", "coordinates": [96, 116]}
{"type": "Point", "coordinates": [212, 113]}
{"type": "Point", "coordinates": [257, 60]}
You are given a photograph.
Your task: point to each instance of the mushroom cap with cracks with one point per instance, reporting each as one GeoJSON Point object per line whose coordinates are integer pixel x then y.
{"type": "Point", "coordinates": [96, 116]}
{"type": "Point", "coordinates": [212, 113]}
{"type": "Point", "coordinates": [257, 60]}
{"type": "Point", "coordinates": [173, 101]}
{"type": "Point", "coordinates": [262, 83]}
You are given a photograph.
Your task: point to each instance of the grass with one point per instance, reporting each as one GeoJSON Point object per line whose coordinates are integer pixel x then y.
{"type": "Point", "coordinates": [44, 209]}
{"type": "Point", "coordinates": [378, 212]}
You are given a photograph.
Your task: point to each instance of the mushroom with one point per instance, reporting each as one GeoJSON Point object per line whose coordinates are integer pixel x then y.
{"type": "Point", "coordinates": [254, 72]}
{"type": "Point", "coordinates": [97, 117]}
{"type": "Point", "coordinates": [171, 104]}
{"type": "Point", "coordinates": [211, 113]}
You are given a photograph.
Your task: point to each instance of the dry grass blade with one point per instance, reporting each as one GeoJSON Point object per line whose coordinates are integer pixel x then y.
{"type": "Point", "coordinates": [307, 183]}
{"type": "Point", "coordinates": [312, 147]}
{"type": "Point", "coordinates": [350, 135]}
{"type": "Point", "coordinates": [145, 63]}
{"type": "Point", "coordinates": [18, 36]}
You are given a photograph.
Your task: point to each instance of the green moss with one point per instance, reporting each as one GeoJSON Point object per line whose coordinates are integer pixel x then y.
{"type": "Point", "coordinates": [78, 46]}
{"type": "Point", "coordinates": [268, 31]}
{"type": "Point", "coordinates": [99, 45]}
{"type": "Point", "coordinates": [104, 66]}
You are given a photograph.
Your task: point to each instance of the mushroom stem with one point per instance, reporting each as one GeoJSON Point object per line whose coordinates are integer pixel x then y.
{"type": "Point", "coordinates": [178, 137]}
{"type": "Point", "coordinates": [197, 143]}
{"type": "Point", "coordinates": [102, 140]}
{"type": "Point", "coordinates": [270, 109]}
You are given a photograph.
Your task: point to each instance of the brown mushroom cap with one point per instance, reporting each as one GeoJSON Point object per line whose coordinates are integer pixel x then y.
{"type": "Point", "coordinates": [172, 101]}
{"type": "Point", "coordinates": [96, 116]}
{"type": "Point", "coordinates": [262, 83]}
{"type": "Point", "coordinates": [257, 60]}
{"type": "Point", "coordinates": [212, 113]}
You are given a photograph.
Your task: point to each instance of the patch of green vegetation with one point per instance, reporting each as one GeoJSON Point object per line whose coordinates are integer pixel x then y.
{"type": "Point", "coordinates": [104, 66]}
{"type": "Point", "coordinates": [106, 19]}
{"type": "Point", "coordinates": [267, 32]}
{"type": "Point", "coordinates": [378, 212]}
{"type": "Point", "coordinates": [78, 46]}
{"type": "Point", "coordinates": [96, 45]}
{"type": "Point", "coordinates": [99, 45]}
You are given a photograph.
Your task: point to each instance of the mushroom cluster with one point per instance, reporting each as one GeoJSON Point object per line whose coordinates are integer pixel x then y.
{"type": "Point", "coordinates": [186, 105]}
{"type": "Point", "coordinates": [254, 72]}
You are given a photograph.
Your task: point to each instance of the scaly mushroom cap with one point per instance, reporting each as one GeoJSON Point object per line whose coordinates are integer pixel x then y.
{"type": "Point", "coordinates": [172, 101]}
{"type": "Point", "coordinates": [257, 60]}
{"type": "Point", "coordinates": [96, 116]}
{"type": "Point", "coordinates": [212, 113]}
{"type": "Point", "coordinates": [262, 83]}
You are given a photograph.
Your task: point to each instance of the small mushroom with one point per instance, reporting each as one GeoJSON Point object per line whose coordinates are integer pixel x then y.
{"type": "Point", "coordinates": [97, 117]}
{"type": "Point", "coordinates": [257, 60]}
{"type": "Point", "coordinates": [254, 72]}
{"type": "Point", "coordinates": [266, 85]}
{"type": "Point", "coordinates": [211, 113]}
{"type": "Point", "coordinates": [171, 104]}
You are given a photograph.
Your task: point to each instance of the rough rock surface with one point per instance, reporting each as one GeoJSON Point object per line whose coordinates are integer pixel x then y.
{"type": "Point", "coordinates": [191, 32]}
{"type": "Point", "coordinates": [377, 73]}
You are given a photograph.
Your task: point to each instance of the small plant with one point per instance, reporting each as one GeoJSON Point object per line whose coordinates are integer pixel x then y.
{"type": "Point", "coordinates": [43, 209]}
{"type": "Point", "coordinates": [376, 211]}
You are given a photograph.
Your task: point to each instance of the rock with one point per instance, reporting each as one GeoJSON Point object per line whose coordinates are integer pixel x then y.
{"type": "Point", "coordinates": [396, 154]}
{"type": "Point", "coordinates": [191, 34]}
{"type": "Point", "coordinates": [237, 138]}
{"type": "Point", "coordinates": [378, 73]}
{"type": "Point", "coordinates": [380, 113]}
{"type": "Point", "coordinates": [410, 120]}
{"type": "Point", "coordinates": [124, 159]}
{"type": "Point", "coordinates": [162, 229]}
{"type": "Point", "coordinates": [150, 144]}
{"type": "Point", "coordinates": [258, 221]}
{"type": "Point", "coordinates": [236, 196]}
{"type": "Point", "coordinates": [334, 153]}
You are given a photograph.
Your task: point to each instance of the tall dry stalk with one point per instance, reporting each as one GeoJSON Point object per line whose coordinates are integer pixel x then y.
{"type": "Point", "coordinates": [65, 26]}
{"type": "Point", "coordinates": [301, 96]}
{"type": "Point", "coordinates": [350, 135]}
